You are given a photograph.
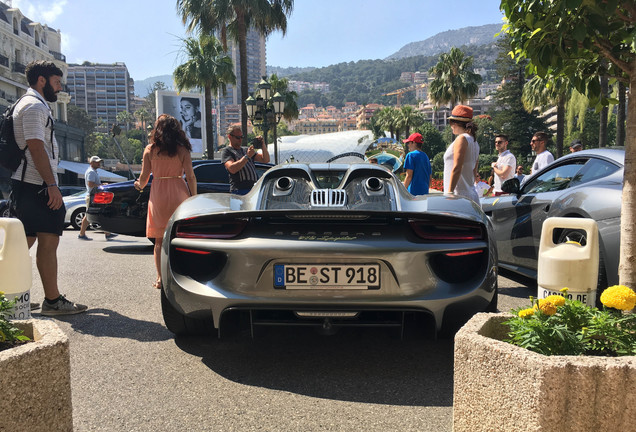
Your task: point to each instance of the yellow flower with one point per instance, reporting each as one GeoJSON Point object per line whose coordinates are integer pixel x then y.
{"type": "Point", "coordinates": [619, 297]}
{"type": "Point", "coordinates": [547, 307]}
{"type": "Point", "coordinates": [557, 300]}
{"type": "Point", "coordinates": [526, 313]}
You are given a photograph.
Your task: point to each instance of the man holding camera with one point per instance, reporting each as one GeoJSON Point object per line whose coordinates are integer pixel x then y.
{"type": "Point", "coordinates": [239, 162]}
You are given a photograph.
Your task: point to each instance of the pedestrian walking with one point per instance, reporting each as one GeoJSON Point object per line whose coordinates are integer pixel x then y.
{"type": "Point", "coordinates": [168, 158]}
{"type": "Point", "coordinates": [91, 179]}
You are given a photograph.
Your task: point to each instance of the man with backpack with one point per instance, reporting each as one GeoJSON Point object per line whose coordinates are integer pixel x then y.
{"type": "Point", "coordinates": [35, 193]}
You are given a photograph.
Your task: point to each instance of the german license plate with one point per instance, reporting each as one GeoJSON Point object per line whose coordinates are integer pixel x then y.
{"type": "Point", "coordinates": [327, 276]}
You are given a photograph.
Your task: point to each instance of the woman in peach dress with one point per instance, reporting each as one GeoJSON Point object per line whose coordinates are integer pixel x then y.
{"type": "Point", "coordinates": [168, 158]}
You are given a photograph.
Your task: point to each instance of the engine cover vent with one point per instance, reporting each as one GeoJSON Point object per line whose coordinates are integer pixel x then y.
{"type": "Point", "coordinates": [328, 198]}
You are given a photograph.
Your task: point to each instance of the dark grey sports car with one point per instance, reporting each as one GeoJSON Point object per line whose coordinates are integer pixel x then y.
{"type": "Point", "coordinates": [326, 245]}
{"type": "Point", "coordinates": [586, 184]}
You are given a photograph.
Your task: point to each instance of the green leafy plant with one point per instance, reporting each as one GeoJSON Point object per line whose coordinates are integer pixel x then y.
{"type": "Point", "coordinates": [557, 325]}
{"type": "Point", "coordinates": [9, 334]}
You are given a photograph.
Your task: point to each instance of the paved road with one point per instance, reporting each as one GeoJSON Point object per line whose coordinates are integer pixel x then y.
{"type": "Point", "coordinates": [130, 374]}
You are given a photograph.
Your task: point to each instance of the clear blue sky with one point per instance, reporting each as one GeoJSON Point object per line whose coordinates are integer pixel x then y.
{"type": "Point", "coordinates": [145, 34]}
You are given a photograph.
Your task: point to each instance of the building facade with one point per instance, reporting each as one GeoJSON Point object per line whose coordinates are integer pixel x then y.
{"type": "Point", "coordinates": [230, 103]}
{"type": "Point", "coordinates": [21, 42]}
{"type": "Point", "coordinates": [103, 90]}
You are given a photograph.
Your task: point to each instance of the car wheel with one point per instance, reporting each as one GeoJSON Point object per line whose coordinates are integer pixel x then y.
{"type": "Point", "coordinates": [5, 211]}
{"type": "Point", "coordinates": [76, 218]}
{"type": "Point", "coordinates": [182, 325]}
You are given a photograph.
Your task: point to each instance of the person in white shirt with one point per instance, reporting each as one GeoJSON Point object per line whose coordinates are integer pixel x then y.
{"type": "Point", "coordinates": [544, 158]}
{"type": "Point", "coordinates": [504, 168]}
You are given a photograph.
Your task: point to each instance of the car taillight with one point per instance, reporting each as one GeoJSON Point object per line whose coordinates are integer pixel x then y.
{"type": "Point", "coordinates": [446, 232]}
{"type": "Point", "coordinates": [210, 229]}
{"type": "Point", "coordinates": [103, 197]}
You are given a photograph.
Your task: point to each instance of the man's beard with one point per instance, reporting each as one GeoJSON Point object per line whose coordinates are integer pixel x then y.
{"type": "Point", "coordinates": [49, 93]}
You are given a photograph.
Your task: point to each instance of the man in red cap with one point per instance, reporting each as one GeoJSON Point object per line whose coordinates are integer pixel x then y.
{"type": "Point", "coordinates": [417, 166]}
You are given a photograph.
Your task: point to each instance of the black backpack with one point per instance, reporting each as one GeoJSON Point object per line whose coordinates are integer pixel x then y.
{"type": "Point", "coordinates": [11, 156]}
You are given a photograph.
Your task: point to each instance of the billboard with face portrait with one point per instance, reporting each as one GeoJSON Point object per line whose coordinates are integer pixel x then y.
{"type": "Point", "coordinates": [188, 109]}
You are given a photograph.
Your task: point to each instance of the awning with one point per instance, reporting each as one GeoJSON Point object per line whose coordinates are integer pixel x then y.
{"type": "Point", "coordinates": [80, 169]}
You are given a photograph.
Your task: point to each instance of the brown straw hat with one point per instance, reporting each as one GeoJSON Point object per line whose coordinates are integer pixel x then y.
{"type": "Point", "coordinates": [461, 113]}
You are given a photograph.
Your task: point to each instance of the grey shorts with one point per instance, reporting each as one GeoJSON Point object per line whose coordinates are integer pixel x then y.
{"type": "Point", "coordinates": [31, 207]}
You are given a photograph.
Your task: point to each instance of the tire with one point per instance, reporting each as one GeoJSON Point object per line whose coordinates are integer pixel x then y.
{"type": "Point", "coordinates": [76, 218]}
{"type": "Point", "coordinates": [5, 211]}
{"type": "Point", "coordinates": [182, 325]}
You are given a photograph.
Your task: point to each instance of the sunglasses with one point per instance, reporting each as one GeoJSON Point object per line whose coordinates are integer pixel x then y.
{"type": "Point", "coordinates": [237, 137]}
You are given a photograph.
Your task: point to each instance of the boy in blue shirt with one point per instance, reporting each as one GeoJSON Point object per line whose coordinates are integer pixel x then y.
{"type": "Point", "coordinates": [417, 166]}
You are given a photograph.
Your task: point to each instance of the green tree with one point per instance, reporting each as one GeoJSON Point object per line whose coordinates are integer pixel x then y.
{"type": "Point", "coordinates": [433, 141]}
{"type": "Point", "coordinates": [143, 116]}
{"type": "Point", "coordinates": [126, 118]}
{"type": "Point", "coordinates": [208, 67]}
{"type": "Point", "coordinates": [281, 86]}
{"type": "Point", "coordinates": [79, 118]}
{"type": "Point", "coordinates": [408, 118]}
{"type": "Point", "coordinates": [453, 78]}
{"type": "Point", "coordinates": [236, 17]}
{"type": "Point", "coordinates": [509, 115]}
{"type": "Point", "coordinates": [582, 40]}
{"type": "Point", "coordinates": [151, 98]}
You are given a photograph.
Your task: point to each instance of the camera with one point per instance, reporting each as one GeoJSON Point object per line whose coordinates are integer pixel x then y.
{"type": "Point", "coordinates": [257, 143]}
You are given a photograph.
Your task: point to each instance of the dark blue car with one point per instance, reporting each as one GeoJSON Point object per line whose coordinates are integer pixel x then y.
{"type": "Point", "coordinates": [120, 208]}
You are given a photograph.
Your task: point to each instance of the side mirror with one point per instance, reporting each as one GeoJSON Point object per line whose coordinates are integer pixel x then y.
{"type": "Point", "coordinates": [511, 186]}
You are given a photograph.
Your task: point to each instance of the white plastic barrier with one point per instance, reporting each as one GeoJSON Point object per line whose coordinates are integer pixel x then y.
{"type": "Point", "coordinates": [570, 264]}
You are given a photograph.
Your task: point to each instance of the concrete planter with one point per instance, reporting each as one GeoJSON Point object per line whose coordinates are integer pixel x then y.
{"type": "Point", "coordinates": [35, 380]}
{"type": "Point", "coordinates": [502, 387]}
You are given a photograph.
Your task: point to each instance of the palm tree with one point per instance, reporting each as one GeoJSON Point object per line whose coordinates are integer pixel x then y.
{"type": "Point", "coordinates": [206, 67]}
{"type": "Point", "coordinates": [236, 17]}
{"type": "Point", "coordinates": [143, 116]}
{"type": "Point", "coordinates": [124, 117]}
{"type": "Point", "coordinates": [544, 92]}
{"type": "Point", "coordinates": [408, 117]}
{"type": "Point", "coordinates": [454, 80]}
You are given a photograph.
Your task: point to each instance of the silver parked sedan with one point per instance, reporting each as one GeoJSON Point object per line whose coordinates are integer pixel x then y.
{"type": "Point", "coordinates": [76, 209]}
{"type": "Point", "coordinates": [326, 245]}
{"type": "Point", "coordinates": [585, 184]}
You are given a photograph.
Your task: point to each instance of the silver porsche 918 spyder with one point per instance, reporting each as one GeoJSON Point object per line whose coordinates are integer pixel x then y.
{"type": "Point", "coordinates": [327, 245]}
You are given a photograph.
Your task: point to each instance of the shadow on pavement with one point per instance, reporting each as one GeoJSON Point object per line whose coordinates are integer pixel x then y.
{"type": "Point", "coordinates": [133, 249]}
{"type": "Point", "coordinates": [108, 323]}
{"type": "Point", "coordinates": [357, 365]}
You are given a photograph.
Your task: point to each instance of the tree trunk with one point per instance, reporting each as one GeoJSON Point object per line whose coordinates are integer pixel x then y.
{"type": "Point", "coordinates": [602, 128]}
{"type": "Point", "coordinates": [209, 127]}
{"type": "Point", "coordinates": [242, 31]}
{"type": "Point", "coordinates": [560, 126]}
{"type": "Point", "coordinates": [627, 267]}
{"type": "Point", "coordinates": [620, 116]}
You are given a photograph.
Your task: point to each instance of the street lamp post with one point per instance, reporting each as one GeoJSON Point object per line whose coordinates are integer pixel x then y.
{"type": "Point", "coordinates": [265, 111]}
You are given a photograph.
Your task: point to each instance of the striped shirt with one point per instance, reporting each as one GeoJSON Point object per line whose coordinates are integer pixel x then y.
{"type": "Point", "coordinates": [246, 176]}
{"type": "Point", "coordinates": [32, 119]}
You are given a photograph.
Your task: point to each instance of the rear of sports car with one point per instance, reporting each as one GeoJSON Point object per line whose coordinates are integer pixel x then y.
{"type": "Point", "coordinates": [354, 254]}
